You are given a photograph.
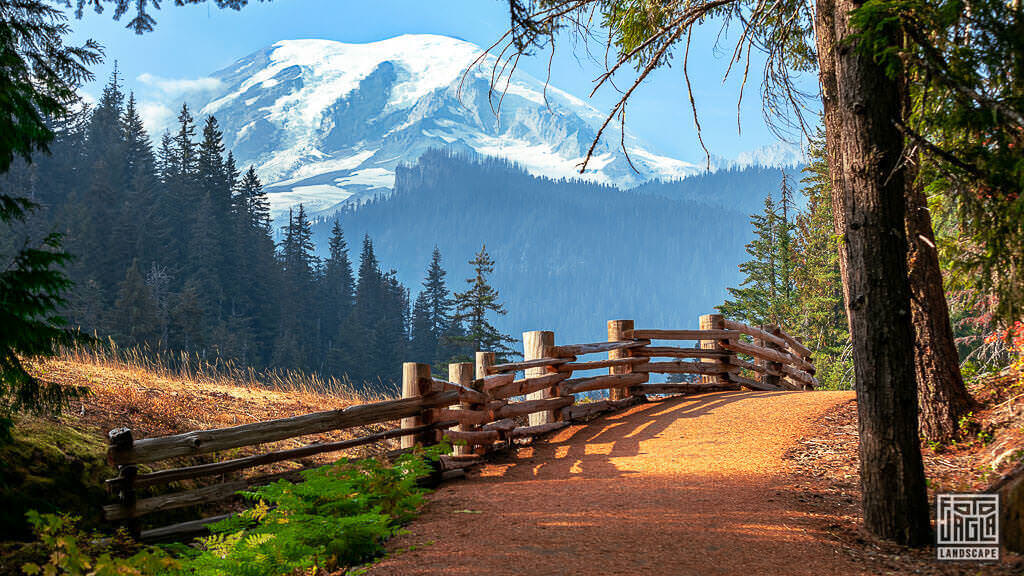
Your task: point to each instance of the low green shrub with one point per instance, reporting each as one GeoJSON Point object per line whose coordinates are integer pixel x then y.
{"type": "Point", "coordinates": [339, 516]}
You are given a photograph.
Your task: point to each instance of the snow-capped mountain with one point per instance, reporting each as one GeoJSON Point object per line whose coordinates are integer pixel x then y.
{"type": "Point", "coordinates": [327, 122]}
{"type": "Point", "coordinates": [777, 154]}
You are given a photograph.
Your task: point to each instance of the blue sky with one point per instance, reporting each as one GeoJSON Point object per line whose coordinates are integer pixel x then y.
{"type": "Point", "coordinates": [191, 42]}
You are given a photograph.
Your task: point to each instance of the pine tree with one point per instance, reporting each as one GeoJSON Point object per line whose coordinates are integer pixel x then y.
{"type": "Point", "coordinates": [475, 304]}
{"type": "Point", "coordinates": [338, 300]}
{"type": "Point", "coordinates": [136, 310]}
{"type": "Point", "coordinates": [423, 342]}
{"type": "Point", "coordinates": [767, 294]}
{"type": "Point", "coordinates": [181, 195]}
{"type": "Point", "coordinates": [212, 171]}
{"type": "Point", "coordinates": [32, 290]}
{"type": "Point", "coordinates": [298, 333]}
{"type": "Point", "coordinates": [361, 326]}
{"type": "Point", "coordinates": [257, 203]}
{"type": "Point", "coordinates": [297, 248]}
{"type": "Point", "coordinates": [139, 212]}
{"type": "Point", "coordinates": [785, 304]}
{"type": "Point", "coordinates": [392, 333]}
{"type": "Point", "coordinates": [260, 273]}
{"type": "Point", "coordinates": [204, 259]}
{"type": "Point", "coordinates": [432, 326]}
{"type": "Point", "coordinates": [821, 316]}
{"type": "Point", "coordinates": [753, 301]}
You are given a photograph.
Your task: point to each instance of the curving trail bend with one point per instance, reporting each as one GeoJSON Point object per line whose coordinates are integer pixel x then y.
{"type": "Point", "coordinates": [689, 485]}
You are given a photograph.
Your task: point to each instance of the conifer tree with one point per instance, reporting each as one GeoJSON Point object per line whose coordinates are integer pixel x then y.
{"type": "Point", "coordinates": [767, 294]}
{"type": "Point", "coordinates": [423, 343]}
{"type": "Point", "coordinates": [136, 310]}
{"type": "Point", "coordinates": [752, 302]}
{"type": "Point", "coordinates": [298, 336]}
{"type": "Point", "coordinates": [432, 327]}
{"type": "Point", "coordinates": [204, 261]}
{"type": "Point", "coordinates": [260, 272]}
{"type": "Point", "coordinates": [339, 295]}
{"type": "Point", "coordinates": [212, 170]}
{"type": "Point", "coordinates": [475, 304]}
{"type": "Point", "coordinates": [144, 236]}
{"type": "Point", "coordinates": [257, 203]}
{"type": "Point", "coordinates": [821, 316]}
{"type": "Point", "coordinates": [361, 331]}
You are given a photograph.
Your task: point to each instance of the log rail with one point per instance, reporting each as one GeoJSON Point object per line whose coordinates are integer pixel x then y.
{"type": "Point", "coordinates": [480, 405]}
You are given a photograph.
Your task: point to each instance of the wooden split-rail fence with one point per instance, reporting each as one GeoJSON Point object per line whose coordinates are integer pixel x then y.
{"type": "Point", "coordinates": [477, 407]}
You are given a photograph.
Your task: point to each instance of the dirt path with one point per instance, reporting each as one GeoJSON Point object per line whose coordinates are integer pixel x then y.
{"type": "Point", "coordinates": [684, 486]}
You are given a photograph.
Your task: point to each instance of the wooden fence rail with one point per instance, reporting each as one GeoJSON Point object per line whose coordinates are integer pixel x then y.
{"type": "Point", "coordinates": [479, 405]}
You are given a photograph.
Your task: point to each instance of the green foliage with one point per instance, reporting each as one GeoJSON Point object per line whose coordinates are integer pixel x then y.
{"type": "Point", "coordinates": [339, 516]}
{"type": "Point", "coordinates": [878, 26]}
{"type": "Point", "coordinates": [38, 79]}
{"type": "Point", "coordinates": [73, 553]}
{"type": "Point", "coordinates": [821, 316]}
{"type": "Point", "coordinates": [39, 76]}
{"type": "Point", "coordinates": [473, 307]}
{"type": "Point", "coordinates": [964, 70]}
{"type": "Point", "coordinates": [767, 294]}
{"type": "Point", "coordinates": [32, 289]}
{"type": "Point", "coordinates": [793, 279]}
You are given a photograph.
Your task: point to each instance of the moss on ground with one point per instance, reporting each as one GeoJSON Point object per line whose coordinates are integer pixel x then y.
{"type": "Point", "coordinates": [51, 467]}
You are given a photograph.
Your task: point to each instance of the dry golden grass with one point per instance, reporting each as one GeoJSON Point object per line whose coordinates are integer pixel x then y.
{"type": "Point", "coordinates": [155, 397]}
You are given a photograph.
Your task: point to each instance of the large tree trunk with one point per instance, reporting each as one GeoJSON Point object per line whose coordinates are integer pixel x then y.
{"type": "Point", "coordinates": [861, 103]}
{"type": "Point", "coordinates": [942, 396]}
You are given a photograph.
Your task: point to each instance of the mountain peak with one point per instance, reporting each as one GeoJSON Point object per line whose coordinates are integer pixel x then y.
{"type": "Point", "coordinates": [327, 122]}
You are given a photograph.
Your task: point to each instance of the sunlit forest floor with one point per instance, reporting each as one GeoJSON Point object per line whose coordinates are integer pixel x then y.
{"type": "Point", "coordinates": [991, 444]}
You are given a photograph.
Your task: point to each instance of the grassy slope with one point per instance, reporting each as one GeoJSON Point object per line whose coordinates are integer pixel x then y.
{"type": "Point", "coordinates": [60, 463]}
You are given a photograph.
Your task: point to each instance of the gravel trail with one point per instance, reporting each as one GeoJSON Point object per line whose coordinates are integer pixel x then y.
{"type": "Point", "coordinates": [691, 485]}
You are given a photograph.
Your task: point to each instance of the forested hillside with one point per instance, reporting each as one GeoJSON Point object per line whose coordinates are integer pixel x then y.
{"type": "Point", "coordinates": [569, 255]}
{"type": "Point", "coordinates": [741, 189]}
{"type": "Point", "coordinates": [175, 249]}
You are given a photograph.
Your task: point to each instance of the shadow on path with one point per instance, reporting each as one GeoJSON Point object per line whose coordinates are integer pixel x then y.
{"type": "Point", "coordinates": [686, 485]}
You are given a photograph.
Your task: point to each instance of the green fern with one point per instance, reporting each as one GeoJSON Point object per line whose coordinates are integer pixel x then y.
{"type": "Point", "coordinates": [339, 516]}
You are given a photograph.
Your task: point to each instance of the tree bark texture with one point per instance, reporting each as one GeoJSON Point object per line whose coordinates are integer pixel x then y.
{"type": "Point", "coordinates": [942, 397]}
{"type": "Point", "coordinates": [864, 149]}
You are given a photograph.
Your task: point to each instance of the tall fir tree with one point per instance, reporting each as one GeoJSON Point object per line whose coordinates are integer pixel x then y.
{"type": "Point", "coordinates": [338, 299]}
{"type": "Point", "coordinates": [433, 330]}
{"type": "Point", "coordinates": [365, 355]}
{"type": "Point", "coordinates": [767, 294]}
{"type": "Point", "coordinates": [144, 235]}
{"type": "Point", "coordinates": [260, 273]}
{"type": "Point", "coordinates": [821, 316]}
{"type": "Point", "coordinates": [298, 334]}
{"type": "Point", "coordinates": [137, 310]}
{"type": "Point", "coordinates": [476, 304]}
{"type": "Point", "coordinates": [423, 343]}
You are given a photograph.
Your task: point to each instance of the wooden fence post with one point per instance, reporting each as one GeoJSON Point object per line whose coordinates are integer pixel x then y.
{"type": "Point", "coordinates": [462, 373]}
{"type": "Point", "coordinates": [804, 353]}
{"type": "Point", "coordinates": [538, 344]}
{"type": "Point", "coordinates": [416, 382]}
{"type": "Point", "coordinates": [121, 440]}
{"type": "Point", "coordinates": [715, 322]}
{"type": "Point", "coordinates": [767, 378]}
{"type": "Point", "coordinates": [616, 332]}
{"type": "Point", "coordinates": [484, 360]}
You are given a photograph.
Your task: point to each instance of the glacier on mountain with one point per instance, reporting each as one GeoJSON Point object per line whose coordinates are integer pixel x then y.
{"type": "Point", "coordinates": [327, 122]}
